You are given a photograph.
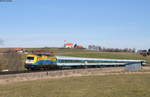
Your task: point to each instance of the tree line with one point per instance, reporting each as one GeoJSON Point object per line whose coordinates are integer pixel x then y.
{"type": "Point", "coordinates": [104, 49]}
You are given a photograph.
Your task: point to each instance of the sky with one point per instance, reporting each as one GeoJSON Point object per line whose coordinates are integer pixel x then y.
{"type": "Point", "coordinates": [49, 23]}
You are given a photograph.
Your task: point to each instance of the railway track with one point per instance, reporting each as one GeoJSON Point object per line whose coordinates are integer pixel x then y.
{"type": "Point", "coordinates": [35, 71]}
{"type": "Point", "coordinates": [23, 71]}
{"type": "Point", "coordinates": [13, 72]}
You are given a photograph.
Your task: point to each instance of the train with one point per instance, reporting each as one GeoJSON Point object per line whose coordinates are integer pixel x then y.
{"type": "Point", "coordinates": [48, 61]}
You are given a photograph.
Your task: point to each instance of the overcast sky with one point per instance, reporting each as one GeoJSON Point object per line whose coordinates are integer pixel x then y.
{"type": "Point", "coordinates": [109, 23]}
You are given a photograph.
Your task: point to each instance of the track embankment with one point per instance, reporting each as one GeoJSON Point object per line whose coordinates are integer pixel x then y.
{"type": "Point", "coordinates": [5, 79]}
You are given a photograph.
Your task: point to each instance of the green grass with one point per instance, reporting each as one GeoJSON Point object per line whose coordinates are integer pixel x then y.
{"type": "Point", "coordinates": [92, 86]}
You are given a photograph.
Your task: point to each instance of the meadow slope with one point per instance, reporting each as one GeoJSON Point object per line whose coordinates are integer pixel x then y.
{"type": "Point", "coordinates": [136, 85]}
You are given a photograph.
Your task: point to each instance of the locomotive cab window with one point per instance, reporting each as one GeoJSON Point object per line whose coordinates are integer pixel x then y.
{"type": "Point", "coordinates": [30, 58]}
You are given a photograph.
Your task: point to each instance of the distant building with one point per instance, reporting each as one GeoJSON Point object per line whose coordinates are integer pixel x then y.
{"type": "Point", "coordinates": [79, 46]}
{"type": "Point", "coordinates": [72, 45]}
{"type": "Point", "coordinates": [69, 45]}
{"type": "Point", "coordinates": [19, 50]}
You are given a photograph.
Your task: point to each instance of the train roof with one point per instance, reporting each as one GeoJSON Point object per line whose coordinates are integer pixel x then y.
{"type": "Point", "coordinates": [96, 59]}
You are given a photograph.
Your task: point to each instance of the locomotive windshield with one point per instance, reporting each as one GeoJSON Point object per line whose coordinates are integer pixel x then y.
{"type": "Point", "coordinates": [30, 58]}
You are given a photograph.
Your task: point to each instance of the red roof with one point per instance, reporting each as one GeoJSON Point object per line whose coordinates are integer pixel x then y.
{"type": "Point", "coordinates": [69, 44]}
{"type": "Point", "coordinates": [80, 46]}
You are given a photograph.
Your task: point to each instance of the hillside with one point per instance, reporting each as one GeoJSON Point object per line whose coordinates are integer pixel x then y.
{"type": "Point", "coordinates": [129, 85]}
{"type": "Point", "coordinates": [136, 85]}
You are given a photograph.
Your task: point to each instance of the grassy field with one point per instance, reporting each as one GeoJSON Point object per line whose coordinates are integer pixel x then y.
{"type": "Point", "coordinates": [92, 86]}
